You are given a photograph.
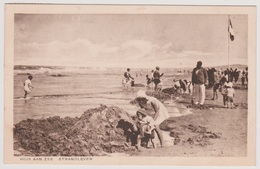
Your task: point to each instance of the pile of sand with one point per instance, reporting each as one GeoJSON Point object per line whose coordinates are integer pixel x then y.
{"type": "Point", "coordinates": [97, 132]}
{"type": "Point", "coordinates": [171, 90]}
{"type": "Point", "coordinates": [189, 134]}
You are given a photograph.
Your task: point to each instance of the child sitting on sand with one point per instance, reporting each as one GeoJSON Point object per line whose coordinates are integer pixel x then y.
{"type": "Point", "coordinates": [146, 128]}
{"type": "Point", "coordinates": [230, 95]}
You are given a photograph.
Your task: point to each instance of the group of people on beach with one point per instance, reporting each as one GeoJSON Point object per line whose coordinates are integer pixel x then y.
{"type": "Point", "coordinates": [223, 83]}
{"type": "Point", "coordinates": [200, 80]}
{"type": "Point", "coordinates": [152, 82]}
{"type": "Point", "coordinates": [219, 81]}
{"type": "Point", "coordinates": [155, 80]}
{"type": "Point", "coordinates": [152, 112]}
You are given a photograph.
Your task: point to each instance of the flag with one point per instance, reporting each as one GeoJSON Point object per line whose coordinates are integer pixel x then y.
{"type": "Point", "coordinates": [231, 31]}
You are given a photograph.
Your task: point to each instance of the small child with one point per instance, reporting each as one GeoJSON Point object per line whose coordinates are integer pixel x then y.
{"type": "Point", "coordinates": [230, 95]}
{"type": "Point", "coordinates": [27, 86]}
{"type": "Point", "coordinates": [146, 126]}
{"type": "Point", "coordinates": [215, 90]}
{"type": "Point", "coordinates": [223, 90]}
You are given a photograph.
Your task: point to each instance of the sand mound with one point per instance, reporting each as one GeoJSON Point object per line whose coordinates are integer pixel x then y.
{"type": "Point", "coordinates": [97, 132]}
{"type": "Point", "coordinates": [189, 134]}
{"type": "Point", "coordinates": [171, 90]}
{"type": "Point", "coordinates": [194, 106]}
{"type": "Point", "coordinates": [241, 105]}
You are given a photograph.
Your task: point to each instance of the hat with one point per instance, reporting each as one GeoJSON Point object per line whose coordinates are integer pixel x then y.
{"type": "Point", "coordinates": [142, 111]}
{"type": "Point", "coordinates": [141, 93]}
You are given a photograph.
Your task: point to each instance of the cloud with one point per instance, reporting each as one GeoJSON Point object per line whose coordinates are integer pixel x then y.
{"type": "Point", "coordinates": [130, 53]}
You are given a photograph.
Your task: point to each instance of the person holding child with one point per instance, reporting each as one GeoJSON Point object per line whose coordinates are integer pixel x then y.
{"type": "Point", "coordinates": [157, 110]}
{"type": "Point", "coordinates": [128, 79]}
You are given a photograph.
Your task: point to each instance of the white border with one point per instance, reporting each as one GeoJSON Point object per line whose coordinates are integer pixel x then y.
{"type": "Point", "coordinates": [161, 2]}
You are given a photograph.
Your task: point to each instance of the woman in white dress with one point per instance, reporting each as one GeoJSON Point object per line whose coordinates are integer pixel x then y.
{"type": "Point", "coordinates": [154, 107]}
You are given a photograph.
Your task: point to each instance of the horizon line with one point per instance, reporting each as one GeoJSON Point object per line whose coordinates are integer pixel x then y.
{"type": "Point", "coordinates": [236, 64]}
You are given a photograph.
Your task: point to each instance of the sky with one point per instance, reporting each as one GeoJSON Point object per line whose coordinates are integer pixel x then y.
{"type": "Point", "coordinates": [134, 40]}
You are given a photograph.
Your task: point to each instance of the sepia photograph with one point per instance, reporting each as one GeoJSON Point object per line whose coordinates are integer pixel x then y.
{"type": "Point", "coordinates": [129, 82]}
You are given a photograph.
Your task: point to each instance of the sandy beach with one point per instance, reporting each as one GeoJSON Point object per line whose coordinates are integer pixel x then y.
{"type": "Point", "coordinates": [230, 125]}
{"type": "Point", "coordinates": [191, 132]}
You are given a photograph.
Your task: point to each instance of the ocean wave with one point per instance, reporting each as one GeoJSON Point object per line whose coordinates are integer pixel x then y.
{"type": "Point", "coordinates": [66, 70]}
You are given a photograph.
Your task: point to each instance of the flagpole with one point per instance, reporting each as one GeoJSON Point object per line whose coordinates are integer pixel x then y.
{"type": "Point", "coordinates": [228, 40]}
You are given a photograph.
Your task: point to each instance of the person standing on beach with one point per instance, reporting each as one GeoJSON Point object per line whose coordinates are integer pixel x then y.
{"type": "Point", "coordinates": [216, 85]}
{"type": "Point", "coordinates": [199, 81]}
{"type": "Point", "coordinates": [27, 86]}
{"type": "Point", "coordinates": [156, 76]}
{"type": "Point", "coordinates": [230, 95]}
{"type": "Point", "coordinates": [128, 78]}
{"type": "Point", "coordinates": [157, 109]}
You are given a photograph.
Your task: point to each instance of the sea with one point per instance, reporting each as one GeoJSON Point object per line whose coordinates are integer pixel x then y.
{"type": "Point", "coordinates": [69, 91]}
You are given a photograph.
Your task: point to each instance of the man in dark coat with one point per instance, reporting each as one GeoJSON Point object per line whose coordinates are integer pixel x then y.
{"type": "Point", "coordinates": [199, 81]}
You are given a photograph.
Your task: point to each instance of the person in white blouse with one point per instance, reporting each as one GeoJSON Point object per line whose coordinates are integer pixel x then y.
{"type": "Point", "coordinates": [155, 108]}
